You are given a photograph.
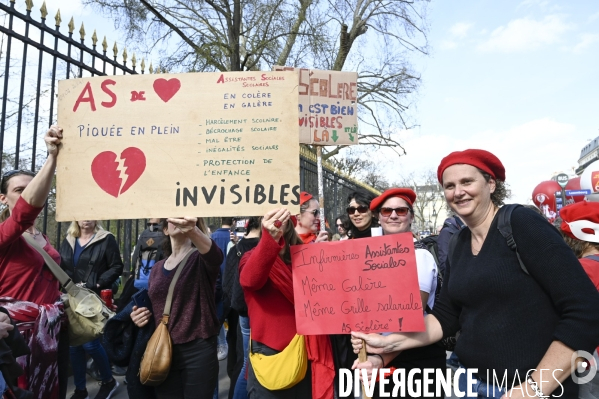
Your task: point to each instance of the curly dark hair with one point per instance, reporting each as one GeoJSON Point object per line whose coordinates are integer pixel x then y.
{"type": "Point", "coordinates": [501, 192]}
{"type": "Point", "coordinates": [253, 223]}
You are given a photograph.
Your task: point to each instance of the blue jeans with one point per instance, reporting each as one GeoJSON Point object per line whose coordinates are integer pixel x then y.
{"type": "Point", "coordinates": [241, 384]}
{"type": "Point", "coordinates": [453, 361]}
{"type": "Point", "coordinates": [79, 364]}
{"type": "Point", "coordinates": [480, 388]}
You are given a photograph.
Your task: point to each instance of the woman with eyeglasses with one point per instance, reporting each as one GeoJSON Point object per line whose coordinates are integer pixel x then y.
{"type": "Point", "coordinates": [361, 223]}
{"type": "Point", "coordinates": [266, 279]}
{"type": "Point", "coordinates": [360, 215]}
{"type": "Point", "coordinates": [396, 214]}
{"type": "Point", "coordinates": [307, 222]}
{"type": "Point", "coordinates": [30, 290]}
{"type": "Point", "coordinates": [342, 224]}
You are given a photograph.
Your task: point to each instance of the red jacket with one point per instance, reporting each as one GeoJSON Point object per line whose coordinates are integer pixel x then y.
{"type": "Point", "coordinates": [272, 315]}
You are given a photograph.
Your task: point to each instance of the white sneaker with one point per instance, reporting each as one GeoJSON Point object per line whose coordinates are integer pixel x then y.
{"type": "Point", "coordinates": [221, 352]}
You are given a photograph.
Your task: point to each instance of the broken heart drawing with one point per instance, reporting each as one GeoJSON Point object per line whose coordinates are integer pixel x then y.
{"type": "Point", "coordinates": [116, 176]}
{"type": "Point", "coordinates": [166, 89]}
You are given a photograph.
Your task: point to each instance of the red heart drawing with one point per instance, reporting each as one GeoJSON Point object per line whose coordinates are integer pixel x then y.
{"type": "Point", "coordinates": [108, 174]}
{"type": "Point", "coordinates": [166, 89]}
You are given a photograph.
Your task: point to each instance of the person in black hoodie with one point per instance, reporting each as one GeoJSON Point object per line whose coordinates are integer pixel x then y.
{"type": "Point", "coordinates": [91, 257]}
{"type": "Point", "coordinates": [235, 300]}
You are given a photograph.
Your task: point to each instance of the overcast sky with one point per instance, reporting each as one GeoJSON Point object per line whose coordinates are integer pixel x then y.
{"type": "Point", "coordinates": [518, 78]}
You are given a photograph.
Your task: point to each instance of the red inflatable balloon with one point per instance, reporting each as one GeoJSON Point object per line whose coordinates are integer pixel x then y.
{"type": "Point", "coordinates": [544, 198]}
{"type": "Point", "coordinates": [574, 184]}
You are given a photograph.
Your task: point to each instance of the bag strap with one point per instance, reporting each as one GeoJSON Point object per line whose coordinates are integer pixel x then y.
{"type": "Point", "coordinates": [56, 270]}
{"type": "Point", "coordinates": [171, 288]}
{"type": "Point", "coordinates": [504, 225]}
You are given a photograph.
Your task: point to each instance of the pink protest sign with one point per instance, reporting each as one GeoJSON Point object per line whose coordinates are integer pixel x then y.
{"type": "Point", "coordinates": [367, 285]}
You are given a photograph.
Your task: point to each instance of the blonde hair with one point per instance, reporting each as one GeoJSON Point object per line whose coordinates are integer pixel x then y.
{"type": "Point", "coordinates": [75, 231]}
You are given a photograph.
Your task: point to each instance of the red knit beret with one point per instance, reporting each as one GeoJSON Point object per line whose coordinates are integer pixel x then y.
{"type": "Point", "coordinates": [406, 194]}
{"type": "Point", "coordinates": [481, 159]}
{"type": "Point", "coordinates": [581, 221]}
{"type": "Point", "coordinates": [305, 197]}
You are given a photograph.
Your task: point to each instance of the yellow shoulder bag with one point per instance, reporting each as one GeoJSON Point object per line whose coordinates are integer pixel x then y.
{"type": "Point", "coordinates": [283, 370]}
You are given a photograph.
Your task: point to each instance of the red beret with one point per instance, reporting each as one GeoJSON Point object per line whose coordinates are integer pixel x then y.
{"type": "Point", "coordinates": [406, 194]}
{"type": "Point", "coordinates": [305, 197]}
{"type": "Point", "coordinates": [481, 159]}
{"type": "Point", "coordinates": [581, 221]}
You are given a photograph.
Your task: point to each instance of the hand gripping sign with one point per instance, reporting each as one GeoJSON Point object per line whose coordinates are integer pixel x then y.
{"type": "Point", "coordinates": [197, 144]}
{"type": "Point", "coordinates": [366, 285]}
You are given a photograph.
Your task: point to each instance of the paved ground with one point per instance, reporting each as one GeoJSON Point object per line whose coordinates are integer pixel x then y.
{"type": "Point", "coordinates": [121, 391]}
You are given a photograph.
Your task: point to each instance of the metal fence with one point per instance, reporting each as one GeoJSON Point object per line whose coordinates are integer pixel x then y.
{"type": "Point", "coordinates": [34, 57]}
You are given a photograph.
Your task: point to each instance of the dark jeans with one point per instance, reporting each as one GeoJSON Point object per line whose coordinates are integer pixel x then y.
{"type": "Point", "coordinates": [303, 390]}
{"type": "Point", "coordinates": [194, 371]}
{"type": "Point", "coordinates": [63, 361]}
{"type": "Point", "coordinates": [96, 351]}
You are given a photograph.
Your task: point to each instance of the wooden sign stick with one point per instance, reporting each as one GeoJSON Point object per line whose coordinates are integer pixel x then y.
{"type": "Point", "coordinates": [320, 187]}
{"type": "Point", "coordinates": [362, 357]}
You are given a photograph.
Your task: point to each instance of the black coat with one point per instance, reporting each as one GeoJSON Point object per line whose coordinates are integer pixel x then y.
{"type": "Point", "coordinates": [125, 345]}
{"type": "Point", "coordinates": [99, 263]}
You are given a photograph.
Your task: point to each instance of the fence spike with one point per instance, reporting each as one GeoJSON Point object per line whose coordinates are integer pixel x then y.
{"type": "Point", "coordinates": [94, 38]}
{"type": "Point", "coordinates": [115, 49]}
{"type": "Point", "coordinates": [105, 44]}
{"type": "Point", "coordinates": [82, 32]}
{"type": "Point", "coordinates": [57, 18]}
{"type": "Point", "coordinates": [133, 60]}
{"type": "Point", "coordinates": [125, 55]}
{"type": "Point", "coordinates": [28, 5]}
{"type": "Point", "coordinates": [71, 25]}
{"type": "Point", "coordinates": [44, 10]}
{"type": "Point", "coordinates": [151, 69]}
{"type": "Point", "coordinates": [143, 64]}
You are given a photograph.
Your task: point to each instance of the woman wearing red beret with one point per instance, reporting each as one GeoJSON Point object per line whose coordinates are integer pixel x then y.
{"type": "Point", "coordinates": [395, 210]}
{"type": "Point", "coordinates": [307, 222]}
{"type": "Point", "coordinates": [580, 227]}
{"type": "Point", "coordinates": [520, 326]}
{"type": "Point", "coordinates": [265, 276]}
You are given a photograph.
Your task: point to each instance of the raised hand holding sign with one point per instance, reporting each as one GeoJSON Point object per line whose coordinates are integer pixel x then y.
{"type": "Point", "coordinates": [198, 143]}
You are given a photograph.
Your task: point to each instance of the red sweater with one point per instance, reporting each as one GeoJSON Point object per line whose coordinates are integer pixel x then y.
{"type": "Point", "coordinates": [591, 267]}
{"type": "Point", "coordinates": [23, 274]}
{"type": "Point", "coordinates": [272, 315]}
{"type": "Point", "coordinates": [193, 311]}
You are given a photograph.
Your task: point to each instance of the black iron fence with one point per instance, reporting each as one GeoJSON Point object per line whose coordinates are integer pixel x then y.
{"type": "Point", "coordinates": [34, 57]}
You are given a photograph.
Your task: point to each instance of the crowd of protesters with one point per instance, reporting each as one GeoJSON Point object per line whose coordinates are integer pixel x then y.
{"type": "Point", "coordinates": [525, 301]}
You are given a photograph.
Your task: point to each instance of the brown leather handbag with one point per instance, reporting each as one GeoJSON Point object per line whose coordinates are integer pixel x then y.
{"type": "Point", "coordinates": [156, 362]}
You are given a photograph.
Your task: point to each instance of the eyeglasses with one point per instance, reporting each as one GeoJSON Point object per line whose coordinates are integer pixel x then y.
{"type": "Point", "coordinates": [315, 212]}
{"type": "Point", "coordinates": [401, 211]}
{"type": "Point", "coordinates": [11, 173]}
{"type": "Point", "coordinates": [339, 225]}
{"type": "Point", "coordinates": [361, 209]}
{"type": "Point", "coordinates": [152, 224]}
